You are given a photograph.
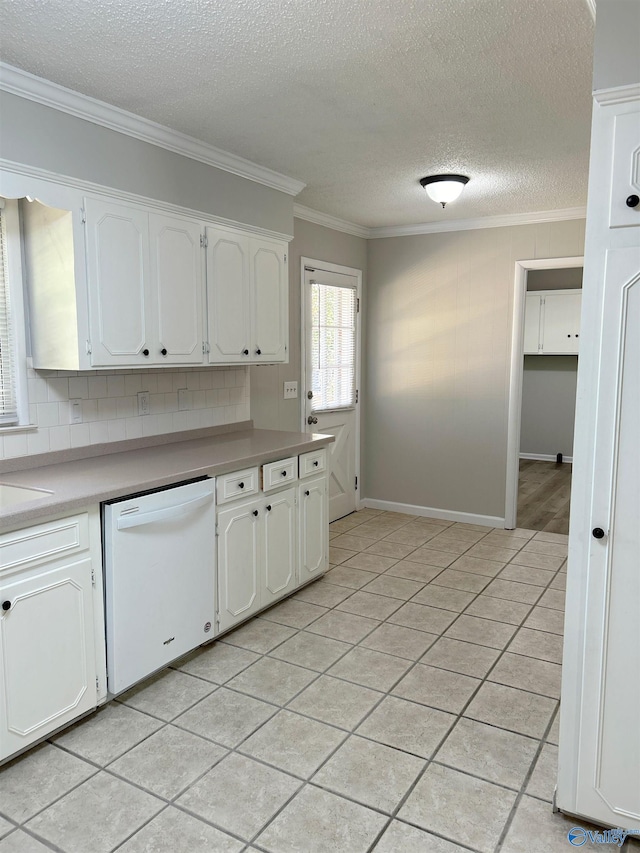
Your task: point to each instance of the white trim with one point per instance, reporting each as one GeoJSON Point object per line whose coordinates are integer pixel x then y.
{"type": "Point", "coordinates": [352, 271]}
{"type": "Point", "coordinates": [480, 222]}
{"type": "Point", "coordinates": [432, 512]}
{"type": "Point", "coordinates": [544, 457]}
{"type": "Point", "coordinates": [515, 375]}
{"type": "Point", "coordinates": [17, 82]}
{"type": "Point", "coordinates": [617, 94]}
{"type": "Point", "coordinates": [333, 222]}
{"type": "Point", "coordinates": [13, 169]}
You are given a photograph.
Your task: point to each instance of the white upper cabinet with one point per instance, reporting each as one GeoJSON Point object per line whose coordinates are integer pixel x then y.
{"type": "Point", "coordinates": [144, 276]}
{"type": "Point", "coordinates": [117, 240]}
{"type": "Point", "coordinates": [177, 297]}
{"type": "Point", "coordinates": [552, 322]}
{"type": "Point", "coordinates": [625, 184]}
{"type": "Point", "coordinates": [269, 300]}
{"type": "Point", "coordinates": [229, 320]}
{"type": "Point", "coordinates": [247, 297]}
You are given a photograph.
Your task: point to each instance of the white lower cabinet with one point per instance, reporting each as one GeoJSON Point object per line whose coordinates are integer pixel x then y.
{"type": "Point", "coordinates": [52, 651]}
{"type": "Point", "coordinates": [270, 544]}
{"type": "Point", "coordinates": [314, 528]}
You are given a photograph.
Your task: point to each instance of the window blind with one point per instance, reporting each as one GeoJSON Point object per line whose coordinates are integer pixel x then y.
{"type": "Point", "coordinates": [8, 397]}
{"type": "Point", "coordinates": [333, 346]}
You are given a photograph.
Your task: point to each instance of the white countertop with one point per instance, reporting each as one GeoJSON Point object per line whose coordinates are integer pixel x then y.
{"type": "Point", "coordinates": [82, 482]}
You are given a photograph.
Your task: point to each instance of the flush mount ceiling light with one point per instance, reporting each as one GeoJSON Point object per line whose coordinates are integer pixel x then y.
{"type": "Point", "coordinates": [444, 188]}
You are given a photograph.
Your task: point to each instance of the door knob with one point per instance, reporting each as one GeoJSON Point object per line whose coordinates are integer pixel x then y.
{"type": "Point", "coordinates": [597, 533]}
{"type": "Point", "coordinates": [312, 420]}
{"type": "Point", "coordinates": [309, 395]}
{"type": "Point", "coordinates": [633, 201]}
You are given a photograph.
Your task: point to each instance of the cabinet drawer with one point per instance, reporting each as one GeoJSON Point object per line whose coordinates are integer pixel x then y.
{"type": "Point", "coordinates": [313, 463]}
{"type": "Point", "coordinates": [236, 485]}
{"type": "Point", "coordinates": [276, 474]}
{"type": "Point", "coordinates": [43, 542]}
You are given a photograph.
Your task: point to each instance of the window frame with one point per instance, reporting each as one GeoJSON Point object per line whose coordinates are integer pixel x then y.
{"type": "Point", "coordinates": [17, 319]}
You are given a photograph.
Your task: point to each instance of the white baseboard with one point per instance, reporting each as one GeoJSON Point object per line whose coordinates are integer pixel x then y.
{"type": "Point", "coordinates": [432, 512]}
{"type": "Point", "coordinates": [544, 457]}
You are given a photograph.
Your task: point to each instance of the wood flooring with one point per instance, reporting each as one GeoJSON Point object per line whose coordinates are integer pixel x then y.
{"type": "Point", "coordinates": [544, 491]}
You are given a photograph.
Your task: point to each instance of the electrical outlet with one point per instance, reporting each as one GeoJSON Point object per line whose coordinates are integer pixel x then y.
{"type": "Point", "coordinates": [75, 411]}
{"type": "Point", "coordinates": [184, 399]}
{"type": "Point", "coordinates": [290, 390]}
{"type": "Point", "coordinates": [143, 402]}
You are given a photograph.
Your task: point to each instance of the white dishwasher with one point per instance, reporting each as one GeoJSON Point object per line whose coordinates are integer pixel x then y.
{"type": "Point", "coordinates": [160, 564]}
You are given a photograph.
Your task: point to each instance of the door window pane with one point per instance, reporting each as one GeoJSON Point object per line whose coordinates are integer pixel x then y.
{"type": "Point", "coordinates": [333, 346]}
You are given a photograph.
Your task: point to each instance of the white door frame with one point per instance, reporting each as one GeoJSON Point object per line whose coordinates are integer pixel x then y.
{"type": "Point", "coordinates": [515, 375]}
{"type": "Point", "coordinates": [324, 265]}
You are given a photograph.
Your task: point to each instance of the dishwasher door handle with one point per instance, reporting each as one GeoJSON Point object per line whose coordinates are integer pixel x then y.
{"type": "Point", "coordinates": [163, 514]}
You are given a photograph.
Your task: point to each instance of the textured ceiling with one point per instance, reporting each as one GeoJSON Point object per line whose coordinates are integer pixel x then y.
{"type": "Point", "coordinates": [358, 99]}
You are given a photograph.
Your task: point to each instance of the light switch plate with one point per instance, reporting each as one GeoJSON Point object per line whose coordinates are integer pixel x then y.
{"type": "Point", "coordinates": [290, 390]}
{"type": "Point", "coordinates": [184, 399]}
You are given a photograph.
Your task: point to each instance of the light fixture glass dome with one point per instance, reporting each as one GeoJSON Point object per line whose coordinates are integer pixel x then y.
{"type": "Point", "coordinates": [444, 188]}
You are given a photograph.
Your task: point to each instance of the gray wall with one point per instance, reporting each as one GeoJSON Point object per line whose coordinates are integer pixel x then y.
{"type": "Point", "coordinates": [50, 139]}
{"type": "Point", "coordinates": [559, 279]}
{"type": "Point", "coordinates": [268, 408]}
{"type": "Point", "coordinates": [438, 315]}
{"type": "Point", "coordinates": [548, 404]}
{"type": "Point", "coordinates": [616, 60]}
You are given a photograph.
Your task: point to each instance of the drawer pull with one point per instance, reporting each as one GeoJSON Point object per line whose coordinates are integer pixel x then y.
{"type": "Point", "coordinates": [316, 463]}
{"type": "Point", "coordinates": [241, 485]}
{"type": "Point", "coordinates": [283, 473]}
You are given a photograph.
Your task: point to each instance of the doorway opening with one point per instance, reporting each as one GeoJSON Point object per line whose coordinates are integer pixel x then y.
{"type": "Point", "coordinates": [544, 361]}
{"type": "Point", "coordinates": [330, 326]}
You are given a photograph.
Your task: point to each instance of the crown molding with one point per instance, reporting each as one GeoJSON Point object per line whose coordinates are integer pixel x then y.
{"type": "Point", "coordinates": [617, 94]}
{"type": "Point", "coordinates": [15, 81]}
{"type": "Point", "coordinates": [310, 215]}
{"type": "Point", "coordinates": [480, 222]}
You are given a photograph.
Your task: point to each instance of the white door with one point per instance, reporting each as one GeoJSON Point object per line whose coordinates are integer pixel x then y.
{"type": "Point", "coordinates": [229, 318]}
{"type": "Point", "coordinates": [47, 655]}
{"type": "Point", "coordinates": [607, 776]}
{"type": "Point", "coordinates": [269, 301]}
{"type": "Point", "coordinates": [176, 273]}
{"type": "Point", "coordinates": [239, 561]}
{"type": "Point", "coordinates": [118, 277]}
{"type": "Point", "coordinates": [279, 545]}
{"type": "Point", "coordinates": [331, 396]}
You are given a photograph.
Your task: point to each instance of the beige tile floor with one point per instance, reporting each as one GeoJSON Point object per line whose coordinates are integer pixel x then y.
{"type": "Point", "coordinates": [407, 702]}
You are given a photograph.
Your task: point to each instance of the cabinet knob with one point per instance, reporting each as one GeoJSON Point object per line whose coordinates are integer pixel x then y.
{"type": "Point", "coordinates": [307, 493]}
{"type": "Point", "coordinates": [145, 352]}
{"type": "Point", "coordinates": [268, 507]}
{"type": "Point", "coordinates": [258, 351]}
{"type": "Point", "coordinates": [283, 473]}
{"type": "Point", "coordinates": [245, 352]}
{"type": "Point", "coordinates": [633, 201]}
{"type": "Point", "coordinates": [241, 485]}
{"type": "Point", "coordinates": [568, 336]}
{"type": "Point", "coordinates": [597, 533]}
{"type": "Point", "coordinates": [255, 512]}
{"type": "Point", "coordinates": [6, 605]}
{"type": "Point", "coordinates": [163, 351]}
{"type": "Point", "coordinates": [316, 463]}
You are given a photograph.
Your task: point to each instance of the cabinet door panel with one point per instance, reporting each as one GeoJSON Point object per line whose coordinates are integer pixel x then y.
{"type": "Point", "coordinates": [314, 528]}
{"type": "Point", "coordinates": [118, 269]}
{"type": "Point", "coordinates": [228, 296]}
{"type": "Point", "coordinates": [626, 171]}
{"type": "Point", "coordinates": [561, 322]}
{"type": "Point", "coordinates": [239, 559]}
{"type": "Point", "coordinates": [280, 545]}
{"type": "Point", "coordinates": [176, 271]}
{"type": "Point", "coordinates": [47, 655]}
{"type": "Point", "coordinates": [269, 294]}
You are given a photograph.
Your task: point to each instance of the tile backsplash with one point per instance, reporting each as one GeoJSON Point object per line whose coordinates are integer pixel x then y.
{"type": "Point", "coordinates": [212, 396]}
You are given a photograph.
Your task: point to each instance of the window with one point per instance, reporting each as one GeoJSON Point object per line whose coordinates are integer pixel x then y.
{"type": "Point", "coordinates": [13, 403]}
{"type": "Point", "coordinates": [333, 346]}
